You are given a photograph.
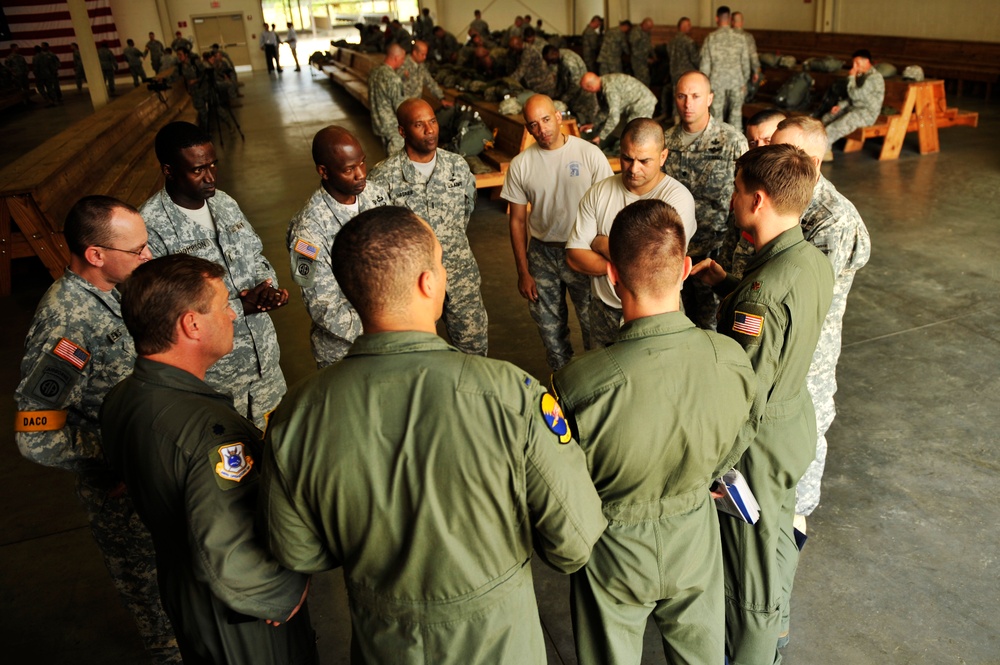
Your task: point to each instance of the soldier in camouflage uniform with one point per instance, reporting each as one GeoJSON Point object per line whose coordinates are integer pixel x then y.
{"type": "Point", "coordinates": [832, 224]}
{"type": "Point", "coordinates": [613, 48]}
{"type": "Point", "coordinates": [682, 51]}
{"type": "Point", "coordinates": [415, 75]}
{"type": "Point", "coordinates": [591, 40]}
{"type": "Point", "coordinates": [751, 46]}
{"type": "Point", "coordinates": [444, 197]}
{"type": "Point", "coordinates": [625, 98]}
{"type": "Point", "coordinates": [154, 49]}
{"type": "Point", "coordinates": [551, 176]}
{"type": "Point", "coordinates": [109, 66]}
{"type": "Point", "coordinates": [641, 49]}
{"type": "Point", "coordinates": [46, 67]}
{"type": "Point", "coordinates": [77, 349]}
{"type": "Point", "coordinates": [531, 68]}
{"type": "Point", "coordinates": [18, 66]}
{"type": "Point", "coordinates": [704, 166]}
{"type": "Point", "coordinates": [190, 216]}
{"type": "Point", "coordinates": [480, 26]}
{"type": "Point", "coordinates": [344, 192]}
{"type": "Point", "coordinates": [570, 70]}
{"type": "Point", "coordinates": [725, 60]}
{"type": "Point", "coordinates": [78, 74]}
{"type": "Point", "coordinates": [385, 92]}
{"type": "Point", "coordinates": [133, 57]}
{"type": "Point", "coordinates": [865, 94]}
{"type": "Point", "coordinates": [200, 83]}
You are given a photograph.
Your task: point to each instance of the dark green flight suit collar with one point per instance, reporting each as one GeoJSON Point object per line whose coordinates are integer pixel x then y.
{"type": "Point", "coordinates": [658, 324]}
{"type": "Point", "coordinates": [162, 374]}
{"type": "Point", "coordinates": [789, 238]}
{"type": "Point", "coordinates": [387, 343]}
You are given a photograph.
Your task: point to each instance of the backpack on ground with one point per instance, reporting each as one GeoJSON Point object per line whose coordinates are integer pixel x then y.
{"type": "Point", "coordinates": [793, 94]}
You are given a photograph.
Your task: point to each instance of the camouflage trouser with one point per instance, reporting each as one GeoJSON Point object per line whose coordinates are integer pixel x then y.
{"type": "Point", "coordinates": [605, 322]}
{"type": "Point", "coordinates": [130, 558]}
{"type": "Point", "coordinates": [610, 66]}
{"type": "Point", "coordinates": [257, 395]}
{"type": "Point", "coordinates": [464, 312]}
{"type": "Point", "coordinates": [138, 74]}
{"type": "Point", "coordinates": [701, 305]}
{"type": "Point", "coordinates": [640, 70]}
{"type": "Point", "coordinates": [392, 144]}
{"type": "Point", "coordinates": [109, 80]}
{"type": "Point", "coordinates": [841, 127]}
{"type": "Point", "coordinates": [553, 278]}
{"type": "Point", "coordinates": [807, 492]}
{"type": "Point", "coordinates": [729, 102]}
{"type": "Point", "coordinates": [583, 105]}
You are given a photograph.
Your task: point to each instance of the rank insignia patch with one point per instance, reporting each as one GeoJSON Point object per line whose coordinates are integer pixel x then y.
{"type": "Point", "coordinates": [235, 464]}
{"type": "Point", "coordinates": [748, 324]}
{"type": "Point", "coordinates": [555, 419]}
{"type": "Point", "coordinates": [71, 353]}
{"type": "Point", "coordinates": [306, 249]}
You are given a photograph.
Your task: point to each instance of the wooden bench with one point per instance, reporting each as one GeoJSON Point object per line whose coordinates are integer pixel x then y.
{"type": "Point", "coordinates": [110, 152]}
{"type": "Point", "coordinates": [349, 69]}
{"type": "Point", "coordinates": [921, 107]}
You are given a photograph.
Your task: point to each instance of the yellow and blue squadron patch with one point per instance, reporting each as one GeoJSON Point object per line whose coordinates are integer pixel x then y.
{"type": "Point", "coordinates": [235, 463]}
{"type": "Point", "coordinates": [555, 419]}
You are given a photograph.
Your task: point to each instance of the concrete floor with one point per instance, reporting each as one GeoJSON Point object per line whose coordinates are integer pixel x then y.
{"type": "Point", "coordinates": [901, 565]}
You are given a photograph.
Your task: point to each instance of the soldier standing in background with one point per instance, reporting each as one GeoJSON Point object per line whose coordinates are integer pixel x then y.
{"type": "Point", "coordinates": [683, 55]}
{"type": "Point", "coordinates": [77, 349]}
{"type": "Point", "coordinates": [416, 77]}
{"type": "Point", "coordinates": [438, 186]}
{"type": "Point", "coordinates": [78, 74]}
{"type": "Point", "coordinates": [641, 49]}
{"type": "Point", "coordinates": [343, 193]}
{"type": "Point", "coordinates": [133, 57]}
{"type": "Point", "coordinates": [18, 66]}
{"type": "Point", "coordinates": [751, 46]}
{"type": "Point", "coordinates": [190, 216]}
{"type": "Point", "coordinates": [592, 42]}
{"type": "Point", "coordinates": [702, 152]}
{"type": "Point", "coordinates": [480, 26]}
{"type": "Point", "coordinates": [725, 60]}
{"type": "Point", "coordinates": [385, 93]}
{"type": "Point", "coordinates": [423, 29]}
{"type": "Point", "coordinates": [570, 71]}
{"type": "Point", "coordinates": [109, 66]}
{"type": "Point", "coordinates": [154, 49]}
{"type": "Point", "coordinates": [613, 48]}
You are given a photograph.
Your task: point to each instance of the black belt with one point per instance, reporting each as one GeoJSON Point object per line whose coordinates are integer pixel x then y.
{"type": "Point", "coordinates": [557, 245]}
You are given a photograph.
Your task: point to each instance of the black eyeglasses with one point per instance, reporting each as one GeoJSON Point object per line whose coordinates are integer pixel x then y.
{"type": "Point", "coordinates": [135, 252]}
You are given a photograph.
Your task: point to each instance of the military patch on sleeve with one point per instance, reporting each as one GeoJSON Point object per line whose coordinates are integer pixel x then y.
{"type": "Point", "coordinates": [75, 355]}
{"type": "Point", "coordinates": [306, 249]}
{"type": "Point", "coordinates": [748, 324]}
{"type": "Point", "coordinates": [51, 380]}
{"type": "Point", "coordinates": [234, 463]}
{"type": "Point", "coordinates": [554, 418]}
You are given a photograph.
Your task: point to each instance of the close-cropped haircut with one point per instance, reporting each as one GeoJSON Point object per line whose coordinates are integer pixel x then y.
{"type": "Point", "coordinates": [723, 10]}
{"type": "Point", "coordinates": [88, 223]}
{"type": "Point", "coordinates": [784, 172]}
{"type": "Point", "coordinates": [643, 131]}
{"type": "Point", "coordinates": [681, 20]}
{"type": "Point", "coordinates": [767, 115]}
{"type": "Point", "coordinates": [177, 136]}
{"type": "Point", "coordinates": [159, 292]}
{"type": "Point", "coordinates": [811, 128]}
{"type": "Point", "coordinates": [646, 245]}
{"type": "Point", "coordinates": [378, 257]}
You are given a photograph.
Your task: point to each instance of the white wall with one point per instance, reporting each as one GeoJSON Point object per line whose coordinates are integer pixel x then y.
{"type": "Point", "coordinates": [969, 20]}
{"type": "Point", "coordinates": [455, 16]}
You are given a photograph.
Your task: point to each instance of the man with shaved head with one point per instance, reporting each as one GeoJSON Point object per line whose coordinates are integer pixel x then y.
{"type": "Point", "coordinates": [642, 156]}
{"type": "Point", "coordinates": [832, 224]}
{"type": "Point", "coordinates": [623, 95]}
{"type": "Point", "coordinates": [385, 92]}
{"type": "Point", "coordinates": [703, 150]}
{"type": "Point", "coordinates": [417, 78]}
{"type": "Point", "coordinates": [344, 192]}
{"type": "Point", "coordinates": [438, 186]}
{"type": "Point", "coordinates": [551, 176]}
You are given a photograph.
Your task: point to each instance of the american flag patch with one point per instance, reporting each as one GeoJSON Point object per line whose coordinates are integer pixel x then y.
{"type": "Point", "coordinates": [306, 249]}
{"type": "Point", "coordinates": [748, 324]}
{"type": "Point", "coordinates": [71, 353]}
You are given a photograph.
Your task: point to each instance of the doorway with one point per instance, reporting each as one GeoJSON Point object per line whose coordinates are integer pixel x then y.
{"type": "Point", "coordinates": [225, 30]}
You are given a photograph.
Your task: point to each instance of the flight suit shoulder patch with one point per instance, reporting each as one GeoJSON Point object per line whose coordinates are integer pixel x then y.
{"type": "Point", "coordinates": [232, 464]}
{"type": "Point", "coordinates": [748, 322]}
{"type": "Point", "coordinates": [555, 420]}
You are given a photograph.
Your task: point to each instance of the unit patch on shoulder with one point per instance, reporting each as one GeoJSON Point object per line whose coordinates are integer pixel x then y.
{"type": "Point", "coordinates": [554, 418]}
{"type": "Point", "coordinates": [306, 249]}
{"type": "Point", "coordinates": [748, 324]}
{"type": "Point", "coordinates": [235, 463]}
{"type": "Point", "coordinates": [75, 355]}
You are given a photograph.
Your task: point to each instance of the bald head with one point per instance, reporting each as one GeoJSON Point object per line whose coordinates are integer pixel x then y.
{"type": "Point", "coordinates": [394, 55]}
{"type": "Point", "coordinates": [410, 108]}
{"type": "Point", "coordinates": [329, 141]}
{"type": "Point", "coordinates": [419, 53]}
{"type": "Point", "coordinates": [591, 82]}
{"type": "Point", "coordinates": [737, 19]}
{"type": "Point", "coordinates": [340, 162]}
{"type": "Point", "coordinates": [805, 133]}
{"type": "Point", "coordinates": [543, 122]}
{"type": "Point", "coordinates": [695, 77]}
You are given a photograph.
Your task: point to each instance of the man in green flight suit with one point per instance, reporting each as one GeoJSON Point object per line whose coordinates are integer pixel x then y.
{"type": "Point", "coordinates": [425, 472]}
{"type": "Point", "coordinates": [776, 313]}
{"type": "Point", "coordinates": [654, 447]}
{"type": "Point", "coordinates": [190, 463]}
